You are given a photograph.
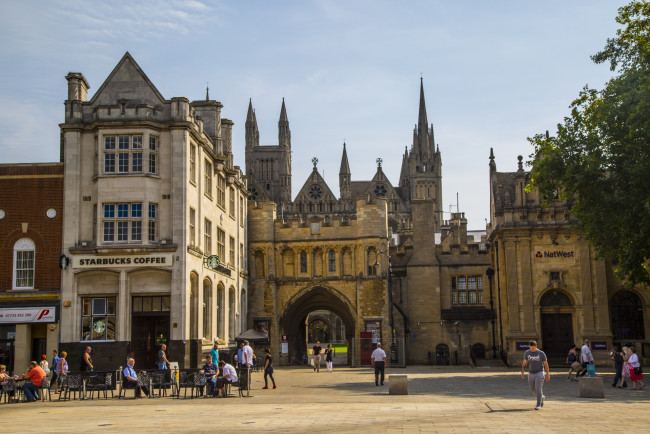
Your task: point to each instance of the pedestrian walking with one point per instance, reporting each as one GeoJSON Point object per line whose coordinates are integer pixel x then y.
{"type": "Point", "coordinates": [538, 372]}
{"type": "Point", "coordinates": [55, 363]}
{"type": "Point", "coordinates": [378, 361]}
{"type": "Point", "coordinates": [329, 360]}
{"type": "Point", "coordinates": [268, 369]}
{"type": "Point", "coordinates": [572, 361]}
{"type": "Point", "coordinates": [586, 357]}
{"type": "Point", "coordinates": [316, 351]}
{"type": "Point", "coordinates": [636, 373]}
{"type": "Point", "coordinates": [86, 363]}
{"type": "Point", "coordinates": [617, 356]}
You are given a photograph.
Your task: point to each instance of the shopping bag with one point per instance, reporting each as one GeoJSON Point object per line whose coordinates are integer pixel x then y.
{"type": "Point", "coordinates": [312, 361]}
{"type": "Point", "coordinates": [591, 370]}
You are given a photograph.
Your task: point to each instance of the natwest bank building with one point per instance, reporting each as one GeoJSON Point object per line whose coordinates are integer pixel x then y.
{"type": "Point", "coordinates": [31, 202]}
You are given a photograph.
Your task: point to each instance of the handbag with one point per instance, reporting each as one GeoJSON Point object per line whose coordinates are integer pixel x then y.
{"type": "Point", "coordinates": [591, 370]}
{"type": "Point", "coordinates": [638, 371]}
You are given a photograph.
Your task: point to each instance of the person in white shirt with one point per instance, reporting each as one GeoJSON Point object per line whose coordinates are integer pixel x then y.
{"type": "Point", "coordinates": [378, 360]}
{"type": "Point", "coordinates": [229, 376]}
{"type": "Point", "coordinates": [636, 378]}
{"type": "Point", "coordinates": [246, 362]}
{"type": "Point", "coordinates": [586, 357]}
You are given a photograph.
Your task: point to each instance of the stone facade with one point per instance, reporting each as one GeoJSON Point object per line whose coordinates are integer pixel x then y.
{"type": "Point", "coordinates": [150, 193]}
{"type": "Point", "coordinates": [551, 287]}
{"type": "Point", "coordinates": [368, 254]}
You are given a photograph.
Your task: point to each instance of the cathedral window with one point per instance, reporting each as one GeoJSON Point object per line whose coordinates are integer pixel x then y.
{"type": "Point", "coordinates": [332, 261]}
{"type": "Point", "coordinates": [252, 193]}
{"type": "Point", "coordinates": [467, 290]}
{"type": "Point", "coordinates": [303, 261]}
{"type": "Point", "coordinates": [315, 192]}
{"type": "Point", "coordinates": [380, 190]}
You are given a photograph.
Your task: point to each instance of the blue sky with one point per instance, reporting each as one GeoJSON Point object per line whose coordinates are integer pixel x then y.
{"type": "Point", "coordinates": [494, 74]}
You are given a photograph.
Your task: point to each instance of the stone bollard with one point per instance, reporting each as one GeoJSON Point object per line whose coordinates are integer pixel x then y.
{"type": "Point", "coordinates": [398, 384]}
{"type": "Point", "coordinates": [591, 387]}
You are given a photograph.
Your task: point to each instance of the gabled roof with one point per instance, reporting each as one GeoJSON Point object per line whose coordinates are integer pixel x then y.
{"type": "Point", "coordinates": [127, 81]}
{"type": "Point", "coordinates": [315, 178]}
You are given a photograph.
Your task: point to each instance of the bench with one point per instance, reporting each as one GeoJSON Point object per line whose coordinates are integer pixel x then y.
{"type": "Point", "coordinates": [591, 387]}
{"type": "Point", "coordinates": [398, 384]}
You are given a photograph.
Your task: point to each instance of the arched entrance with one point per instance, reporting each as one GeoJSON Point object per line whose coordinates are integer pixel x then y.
{"type": "Point", "coordinates": [556, 311]}
{"type": "Point", "coordinates": [627, 316]}
{"type": "Point", "coordinates": [293, 322]}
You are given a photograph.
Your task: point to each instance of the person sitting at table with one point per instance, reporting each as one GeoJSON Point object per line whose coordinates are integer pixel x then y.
{"type": "Point", "coordinates": [131, 379]}
{"type": "Point", "coordinates": [3, 379]}
{"type": "Point", "coordinates": [229, 375]}
{"type": "Point", "coordinates": [211, 371]}
{"type": "Point", "coordinates": [35, 374]}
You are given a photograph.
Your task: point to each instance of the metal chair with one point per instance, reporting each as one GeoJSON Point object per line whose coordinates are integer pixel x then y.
{"type": "Point", "coordinates": [44, 388]}
{"type": "Point", "coordinates": [72, 383]}
{"type": "Point", "coordinates": [8, 386]}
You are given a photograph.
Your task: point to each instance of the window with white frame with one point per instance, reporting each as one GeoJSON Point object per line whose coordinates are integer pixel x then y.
{"type": "Point", "coordinates": [192, 237]}
{"type": "Point", "coordinates": [193, 163]}
{"type": "Point", "coordinates": [221, 244]}
{"type": "Point", "coordinates": [153, 222]}
{"type": "Point", "coordinates": [207, 237]}
{"type": "Point", "coordinates": [153, 154]}
{"type": "Point", "coordinates": [123, 154]}
{"type": "Point", "coordinates": [122, 222]}
{"type": "Point", "coordinates": [231, 202]}
{"type": "Point", "coordinates": [221, 191]}
{"type": "Point", "coordinates": [467, 290]}
{"type": "Point", "coordinates": [24, 264]}
{"type": "Point", "coordinates": [231, 260]}
{"type": "Point", "coordinates": [241, 211]}
{"type": "Point", "coordinates": [98, 319]}
{"type": "Point", "coordinates": [208, 179]}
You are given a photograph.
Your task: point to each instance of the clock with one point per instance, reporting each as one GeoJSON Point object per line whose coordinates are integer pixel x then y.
{"type": "Point", "coordinates": [51, 213]}
{"type": "Point", "coordinates": [315, 192]}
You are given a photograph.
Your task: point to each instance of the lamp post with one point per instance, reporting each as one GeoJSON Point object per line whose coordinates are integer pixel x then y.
{"type": "Point", "coordinates": [393, 347]}
{"type": "Point", "coordinates": [490, 273]}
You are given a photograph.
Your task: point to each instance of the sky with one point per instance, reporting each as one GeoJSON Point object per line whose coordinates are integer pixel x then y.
{"type": "Point", "coordinates": [494, 74]}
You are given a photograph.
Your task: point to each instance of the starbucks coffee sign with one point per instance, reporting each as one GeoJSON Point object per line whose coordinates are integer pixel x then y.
{"type": "Point", "coordinates": [122, 261]}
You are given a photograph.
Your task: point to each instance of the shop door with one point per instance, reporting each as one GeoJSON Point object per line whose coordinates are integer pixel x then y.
{"type": "Point", "coordinates": [148, 332]}
{"type": "Point", "coordinates": [557, 335]}
{"type": "Point", "coordinates": [366, 347]}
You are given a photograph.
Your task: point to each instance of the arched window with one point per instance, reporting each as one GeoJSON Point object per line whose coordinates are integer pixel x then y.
{"type": "Point", "coordinates": [627, 316]}
{"type": "Point", "coordinates": [207, 311]}
{"type": "Point", "coordinates": [555, 298]}
{"type": "Point", "coordinates": [231, 313]}
{"type": "Point", "coordinates": [221, 310]}
{"type": "Point", "coordinates": [332, 260]}
{"type": "Point", "coordinates": [24, 256]}
{"type": "Point", "coordinates": [303, 261]}
{"type": "Point", "coordinates": [372, 260]}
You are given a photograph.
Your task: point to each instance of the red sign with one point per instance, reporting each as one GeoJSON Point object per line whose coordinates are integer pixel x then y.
{"type": "Point", "coordinates": [285, 339]}
{"type": "Point", "coordinates": [27, 314]}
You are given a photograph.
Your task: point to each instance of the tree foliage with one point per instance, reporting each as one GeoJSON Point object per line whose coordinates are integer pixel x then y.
{"type": "Point", "coordinates": [599, 159]}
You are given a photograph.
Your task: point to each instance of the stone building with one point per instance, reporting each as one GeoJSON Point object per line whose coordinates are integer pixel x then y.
{"type": "Point", "coordinates": [550, 286]}
{"type": "Point", "coordinates": [367, 254]}
{"type": "Point", "coordinates": [150, 195]}
{"type": "Point", "coordinates": [31, 216]}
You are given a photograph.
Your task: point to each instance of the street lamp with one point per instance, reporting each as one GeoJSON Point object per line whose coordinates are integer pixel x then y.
{"type": "Point", "coordinates": [490, 273]}
{"type": "Point", "coordinates": [393, 347]}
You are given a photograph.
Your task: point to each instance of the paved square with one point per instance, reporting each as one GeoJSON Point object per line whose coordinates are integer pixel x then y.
{"type": "Point", "coordinates": [451, 399]}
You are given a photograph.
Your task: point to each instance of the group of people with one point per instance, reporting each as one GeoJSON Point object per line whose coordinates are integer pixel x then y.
{"type": "Point", "coordinates": [317, 351]}
{"type": "Point", "coordinates": [627, 366]}
{"type": "Point", "coordinates": [579, 360]}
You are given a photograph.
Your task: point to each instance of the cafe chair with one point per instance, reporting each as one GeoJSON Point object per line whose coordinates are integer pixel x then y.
{"type": "Point", "coordinates": [44, 388]}
{"type": "Point", "coordinates": [9, 386]}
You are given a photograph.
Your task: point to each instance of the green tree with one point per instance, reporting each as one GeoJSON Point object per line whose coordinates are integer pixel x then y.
{"type": "Point", "coordinates": [599, 159]}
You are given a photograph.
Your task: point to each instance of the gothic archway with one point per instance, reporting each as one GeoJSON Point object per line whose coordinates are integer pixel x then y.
{"type": "Point", "coordinates": [556, 309]}
{"type": "Point", "coordinates": [293, 319]}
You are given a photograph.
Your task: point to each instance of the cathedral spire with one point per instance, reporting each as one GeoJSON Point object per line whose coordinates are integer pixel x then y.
{"type": "Point", "coordinates": [422, 116]}
{"type": "Point", "coordinates": [284, 133]}
{"type": "Point", "coordinates": [345, 166]}
{"type": "Point", "coordinates": [345, 176]}
{"type": "Point", "coordinates": [252, 133]}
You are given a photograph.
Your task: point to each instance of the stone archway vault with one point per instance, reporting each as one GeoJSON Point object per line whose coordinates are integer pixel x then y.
{"type": "Point", "coordinates": [309, 300]}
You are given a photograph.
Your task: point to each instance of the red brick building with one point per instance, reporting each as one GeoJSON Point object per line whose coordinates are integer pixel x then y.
{"type": "Point", "coordinates": [31, 221]}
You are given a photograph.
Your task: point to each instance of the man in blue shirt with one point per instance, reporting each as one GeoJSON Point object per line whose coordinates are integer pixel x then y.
{"type": "Point", "coordinates": [211, 371]}
{"type": "Point", "coordinates": [55, 363]}
{"type": "Point", "coordinates": [215, 353]}
{"type": "Point", "coordinates": [131, 379]}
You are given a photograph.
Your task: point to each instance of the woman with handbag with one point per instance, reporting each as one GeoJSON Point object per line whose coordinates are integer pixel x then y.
{"type": "Point", "coordinates": [636, 374]}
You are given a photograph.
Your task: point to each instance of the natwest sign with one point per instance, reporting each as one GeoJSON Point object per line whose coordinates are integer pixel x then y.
{"type": "Point", "coordinates": [27, 314]}
{"type": "Point", "coordinates": [555, 254]}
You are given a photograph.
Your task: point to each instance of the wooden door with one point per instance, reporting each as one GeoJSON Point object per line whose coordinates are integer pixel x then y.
{"type": "Point", "coordinates": [557, 334]}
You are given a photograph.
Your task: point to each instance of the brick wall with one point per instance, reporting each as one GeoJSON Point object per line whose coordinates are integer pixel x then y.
{"type": "Point", "coordinates": [27, 191]}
